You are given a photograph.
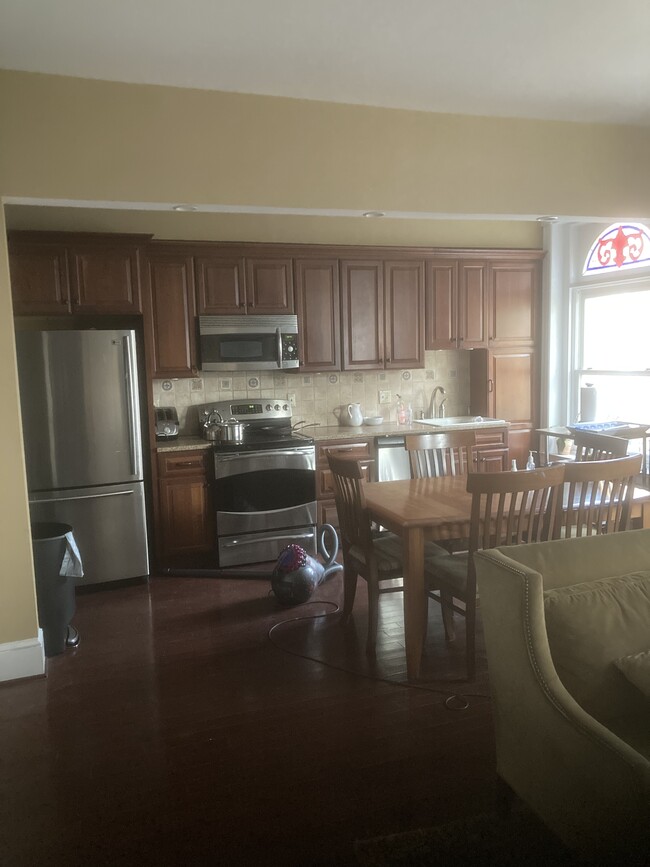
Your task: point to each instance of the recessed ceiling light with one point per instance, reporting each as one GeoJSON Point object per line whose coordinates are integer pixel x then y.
{"type": "Point", "coordinates": [184, 208]}
{"type": "Point", "coordinates": [547, 219]}
{"type": "Point", "coordinates": [374, 214]}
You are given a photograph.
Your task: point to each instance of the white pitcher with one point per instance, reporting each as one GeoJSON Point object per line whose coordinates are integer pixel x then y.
{"type": "Point", "coordinates": [355, 415]}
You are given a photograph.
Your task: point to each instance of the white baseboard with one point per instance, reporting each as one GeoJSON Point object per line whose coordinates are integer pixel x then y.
{"type": "Point", "coordinates": [22, 658]}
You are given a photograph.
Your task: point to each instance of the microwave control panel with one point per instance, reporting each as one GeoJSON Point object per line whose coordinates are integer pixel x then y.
{"type": "Point", "coordinates": [289, 347]}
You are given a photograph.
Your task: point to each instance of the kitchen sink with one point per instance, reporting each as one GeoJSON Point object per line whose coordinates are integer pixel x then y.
{"type": "Point", "coordinates": [462, 421]}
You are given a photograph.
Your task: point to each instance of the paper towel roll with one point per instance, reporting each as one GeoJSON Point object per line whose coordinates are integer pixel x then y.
{"type": "Point", "coordinates": [588, 400]}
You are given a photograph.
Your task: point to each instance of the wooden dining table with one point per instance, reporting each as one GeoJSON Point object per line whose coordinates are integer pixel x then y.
{"type": "Point", "coordinates": [419, 510]}
{"type": "Point", "coordinates": [434, 509]}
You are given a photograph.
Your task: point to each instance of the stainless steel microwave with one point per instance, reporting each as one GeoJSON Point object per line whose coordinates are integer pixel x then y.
{"type": "Point", "coordinates": [248, 342]}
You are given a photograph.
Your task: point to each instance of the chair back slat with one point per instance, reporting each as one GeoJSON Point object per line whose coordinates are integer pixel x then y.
{"type": "Point", "coordinates": [348, 475]}
{"type": "Point", "coordinates": [592, 446]}
{"type": "Point", "coordinates": [511, 508]}
{"type": "Point", "coordinates": [444, 453]}
{"type": "Point", "coordinates": [598, 496]}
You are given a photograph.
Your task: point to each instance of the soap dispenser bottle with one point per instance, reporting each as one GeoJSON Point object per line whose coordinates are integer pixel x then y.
{"type": "Point", "coordinates": [401, 411]}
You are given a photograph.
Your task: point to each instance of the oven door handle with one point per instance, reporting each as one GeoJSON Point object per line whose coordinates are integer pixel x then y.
{"type": "Point", "coordinates": [276, 538]}
{"type": "Point", "coordinates": [308, 451]}
{"type": "Point", "coordinates": [278, 337]}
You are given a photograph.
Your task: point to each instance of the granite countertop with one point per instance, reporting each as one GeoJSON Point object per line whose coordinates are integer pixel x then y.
{"type": "Point", "coordinates": [320, 433]}
{"type": "Point", "coordinates": [183, 444]}
{"type": "Point", "coordinates": [366, 431]}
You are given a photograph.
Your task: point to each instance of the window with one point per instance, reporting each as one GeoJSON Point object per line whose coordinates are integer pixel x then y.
{"type": "Point", "coordinates": [612, 350]}
{"type": "Point", "coordinates": [621, 246]}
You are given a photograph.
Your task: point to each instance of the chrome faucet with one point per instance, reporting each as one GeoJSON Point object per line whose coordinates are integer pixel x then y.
{"type": "Point", "coordinates": [439, 411]}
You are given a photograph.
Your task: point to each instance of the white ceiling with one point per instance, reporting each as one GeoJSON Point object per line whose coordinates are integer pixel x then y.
{"type": "Point", "coordinates": [582, 60]}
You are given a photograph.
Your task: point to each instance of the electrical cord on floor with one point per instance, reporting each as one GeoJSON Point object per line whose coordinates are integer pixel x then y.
{"type": "Point", "coordinates": [454, 701]}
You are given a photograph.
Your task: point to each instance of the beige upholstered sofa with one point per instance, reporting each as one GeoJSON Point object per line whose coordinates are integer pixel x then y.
{"type": "Point", "coordinates": [563, 620]}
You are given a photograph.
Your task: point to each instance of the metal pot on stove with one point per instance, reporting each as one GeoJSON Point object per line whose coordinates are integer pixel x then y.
{"type": "Point", "coordinates": [218, 430]}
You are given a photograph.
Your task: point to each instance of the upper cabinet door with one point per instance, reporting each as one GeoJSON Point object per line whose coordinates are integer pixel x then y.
{"type": "Point", "coordinates": [269, 286]}
{"type": "Point", "coordinates": [404, 313]}
{"type": "Point", "coordinates": [441, 304]}
{"type": "Point", "coordinates": [170, 320]}
{"type": "Point", "coordinates": [220, 287]}
{"type": "Point", "coordinates": [39, 279]}
{"type": "Point", "coordinates": [513, 301]}
{"type": "Point", "coordinates": [319, 314]}
{"type": "Point", "coordinates": [472, 304]}
{"type": "Point", "coordinates": [105, 278]}
{"type": "Point", "coordinates": [362, 314]}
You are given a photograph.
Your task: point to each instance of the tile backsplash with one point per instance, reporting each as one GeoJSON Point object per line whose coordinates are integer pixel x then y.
{"type": "Point", "coordinates": [318, 395]}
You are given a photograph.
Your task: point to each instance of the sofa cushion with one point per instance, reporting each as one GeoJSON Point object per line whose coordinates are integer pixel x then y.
{"type": "Point", "coordinates": [591, 625]}
{"type": "Point", "coordinates": [636, 667]}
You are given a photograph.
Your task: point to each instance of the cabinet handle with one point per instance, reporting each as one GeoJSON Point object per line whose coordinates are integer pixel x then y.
{"type": "Point", "coordinates": [187, 464]}
{"type": "Point", "coordinates": [490, 385]}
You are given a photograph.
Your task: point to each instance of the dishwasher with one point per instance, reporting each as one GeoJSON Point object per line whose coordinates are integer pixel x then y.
{"type": "Point", "coordinates": [392, 459]}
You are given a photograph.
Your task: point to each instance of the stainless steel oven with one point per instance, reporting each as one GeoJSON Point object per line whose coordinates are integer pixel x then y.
{"type": "Point", "coordinates": [265, 486]}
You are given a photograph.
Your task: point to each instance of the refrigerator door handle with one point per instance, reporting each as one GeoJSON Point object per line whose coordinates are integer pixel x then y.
{"type": "Point", "coordinates": [83, 497]}
{"type": "Point", "coordinates": [132, 407]}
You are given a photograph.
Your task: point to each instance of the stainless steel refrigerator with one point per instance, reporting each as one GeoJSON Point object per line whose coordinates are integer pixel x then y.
{"type": "Point", "coordinates": [81, 427]}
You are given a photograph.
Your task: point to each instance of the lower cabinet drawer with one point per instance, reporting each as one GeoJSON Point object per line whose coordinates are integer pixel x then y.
{"type": "Point", "coordinates": [184, 463]}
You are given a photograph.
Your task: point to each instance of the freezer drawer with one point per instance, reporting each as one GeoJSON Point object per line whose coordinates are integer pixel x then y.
{"type": "Point", "coordinates": [109, 526]}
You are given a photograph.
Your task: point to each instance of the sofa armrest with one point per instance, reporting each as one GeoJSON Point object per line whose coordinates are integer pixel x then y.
{"type": "Point", "coordinates": [589, 786]}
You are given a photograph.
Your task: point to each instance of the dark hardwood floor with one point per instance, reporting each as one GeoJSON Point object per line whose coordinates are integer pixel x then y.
{"type": "Point", "coordinates": [179, 732]}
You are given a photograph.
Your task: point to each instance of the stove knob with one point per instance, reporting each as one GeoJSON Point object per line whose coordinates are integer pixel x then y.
{"type": "Point", "coordinates": [268, 407]}
{"type": "Point", "coordinates": [285, 407]}
{"type": "Point", "coordinates": [277, 407]}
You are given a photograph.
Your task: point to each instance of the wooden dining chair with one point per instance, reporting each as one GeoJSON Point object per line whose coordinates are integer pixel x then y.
{"type": "Point", "coordinates": [452, 453]}
{"type": "Point", "coordinates": [597, 496]}
{"type": "Point", "coordinates": [508, 508]}
{"type": "Point", "coordinates": [376, 558]}
{"type": "Point", "coordinates": [444, 453]}
{"type": "Point", "coordinates": [591, 446]}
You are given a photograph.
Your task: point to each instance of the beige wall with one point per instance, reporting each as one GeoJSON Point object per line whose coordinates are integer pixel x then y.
{"type": "Point", "coordinates": [17, 598]}
{"type": "Point", "coordinates": [81, 139]}
{"type": "Point", "coordinates": [90, 140]}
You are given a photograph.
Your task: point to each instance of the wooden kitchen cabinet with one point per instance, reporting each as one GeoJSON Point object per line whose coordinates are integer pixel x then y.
{"type": "Point", "coordinates": [456, 304]}
{"type": "Point", "coordinates": [472, 304]}
{"type": "Point", "coordinates": [230, 285]}
{"type": "Point", "coordinates": [513, 294]}
{"type": "Point", "coordinates": [319, 314]}
{"type": "Point", "coordinates": [220, 285]}
{"type": "Point", "coordinates": [185, 508]}
{"type": "Point", "coordinates": [347, 448]}
{"type": "Point", "coordinates": [362, 314]}
{"type": "Point", "coordinates": [503, 384]}
{"type": "Point", "coordinates": [269, 285]}
{"type": "Point", "coordinates": [170, 314]}
{"type": "Point", "coordinates": [98, 276]}
{"type": "Point", "coordinates": [105, 278]}
{"type": "Point", "coordinates": [39, 279]}
{"type": "Point", "coordinates": [382, 307]}
{"type": "Point", "coordinates": [441, 304]}
{"type": "Point", "coordinates": [404, 314]}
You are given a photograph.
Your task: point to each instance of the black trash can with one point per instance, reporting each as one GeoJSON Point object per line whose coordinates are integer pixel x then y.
{"type": "Point", "coordinates": [55, 593]}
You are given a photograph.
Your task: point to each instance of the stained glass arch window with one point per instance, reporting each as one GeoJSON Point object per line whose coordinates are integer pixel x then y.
{"type": "Point", "coordinates": [619, 247]}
